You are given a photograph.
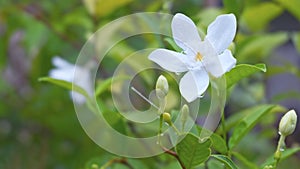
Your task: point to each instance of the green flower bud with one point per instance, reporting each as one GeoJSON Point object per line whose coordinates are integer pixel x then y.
{"type": "Point", "coordinates": [287, 123]}
{"type": "Point", "coordinates": [184, 113]}
{"type": "Point", "coordinates": [167, 118]}
{"type": "Point", "coordinates": [162, 86]}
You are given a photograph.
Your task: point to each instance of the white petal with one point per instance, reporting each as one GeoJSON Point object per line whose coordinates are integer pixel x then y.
{"type": "Point", "coordinates": [185, 33]}
{"type": "Point", "coordinates": [61, 63]}
{"type": "Point", "coordinates": [77, 97]}
{"type": "Point", "coordinates": [83, 79]}
{"type": "Point", "coordinates": [211, 61]}
{"type": "Point", "coordinates": [227, 60]}
{"type": "Point", "coordinates": [62, 74]}
{"type": "Point", "coordinates": [221, 32]}
{"type": "Point", "coordinates": [169, 60]}
{"type": "Point", "coordinates": [193, 84]}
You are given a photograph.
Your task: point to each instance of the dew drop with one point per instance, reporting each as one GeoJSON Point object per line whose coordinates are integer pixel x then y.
{"type": "Point", "coordinates": [162, 134]}
{"type": "Point", "coordinates": [281, 149]}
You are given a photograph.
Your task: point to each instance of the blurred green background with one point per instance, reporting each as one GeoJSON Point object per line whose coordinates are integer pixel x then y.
{"type": "Point", "coordinates": [38, 125]}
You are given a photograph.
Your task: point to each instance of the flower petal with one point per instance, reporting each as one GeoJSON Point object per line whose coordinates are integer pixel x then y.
{"type": "Point", "coordinates": [61, 63]}
{"type": "Point", "coordinates": [227, 60]}
{"type": "Point", "coordinates": [185, 33]}
{"type": "Point", "coordinates": [193, 84]}
{"type": "Point", "coordinates": [169, 60]}
{"type": "Point", "coordinates": [221, 32]}
{"type": "Point", "coordinates": [62, 73]}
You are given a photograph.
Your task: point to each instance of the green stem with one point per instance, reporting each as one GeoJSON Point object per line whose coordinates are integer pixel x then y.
{"type": "Point", "coordinates": [160, 127]}
{"type": "Point", "coordinates": [176, 130]}
{"type": "Point", "coordinates": [223, 125]}
{"type": "Point", "coordinates": [279, 149]}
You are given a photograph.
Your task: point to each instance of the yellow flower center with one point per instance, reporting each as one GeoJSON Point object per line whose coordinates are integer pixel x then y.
{"type": "Point", "coordinates": [198, 57]}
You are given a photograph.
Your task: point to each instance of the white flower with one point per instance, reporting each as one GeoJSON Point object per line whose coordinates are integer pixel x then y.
{"type": "Point", "coordinates": [65, 71]}
{"type": "Point", "coordinates": [199, 57]}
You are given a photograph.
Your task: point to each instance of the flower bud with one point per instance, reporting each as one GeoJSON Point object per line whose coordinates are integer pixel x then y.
{"type": "Point", "coordinates": [162, 86]}
{"type": "Point", "coordinates": [184, 113]}
{"type": "Point", "coordinates": [287, 123]}
{"type": "Point", "coordinates": [167, 118]}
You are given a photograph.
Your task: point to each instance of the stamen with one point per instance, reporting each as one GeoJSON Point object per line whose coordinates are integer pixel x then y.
{"type": "Point", "coordinates": [198, 57]}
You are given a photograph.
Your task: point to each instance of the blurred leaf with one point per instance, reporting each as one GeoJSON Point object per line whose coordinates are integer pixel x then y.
{"type": "Point", "coordinates": [104, 85]}
{"type": "Point", "coordinates": [214, 164]}
{"type": "Point", "coordinates": [233, 6]}
{"type": "Point", "coordinates": [293, 94]}
{"type": "Point", "coordinates": [244, 160]}
{"type": "Point", "coordinates": [259, 46]}
{"type": "Point", "coordinates": [286, 68]}
{"type": "Point", "coordinates": [226, 160]}
{"type": "Point", "coordinates": [292, 6]}
{"type": "Point", "coordinates": [257, 17]}
{"type": "Point", "coordinates": [115, 120]}
{"type": "Point", "coordinates": [296, 40]}
{"type": "Point", "coordinates": [218, 143]}
{"type": "Point", "coordinates": [252, 117]}
{"type": "Point", "coordinates": [241, 71]}
{"type": "Point", "coordinates": [102, 8]}
{"type": "Point", "coordinates": [173, 44]}
{"type": "Point", "coordinates": [206, 16]}
{"type": "Point", "coordinates": [67, 85]}
{"type": "Point", "coordinates": [285, 154]}
{"type": "Point", "coordinates": [192, 151]}
{"type": "Point", "coordinates": [235, 119]}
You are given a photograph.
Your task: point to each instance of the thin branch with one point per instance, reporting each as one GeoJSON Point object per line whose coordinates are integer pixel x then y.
{"type": "Point", "coordinates": [174, 154]}
{"type": "Point", "coordinates": [117, 160]}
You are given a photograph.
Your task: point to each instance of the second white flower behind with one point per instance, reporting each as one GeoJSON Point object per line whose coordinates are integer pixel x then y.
{"type": "Point", "coordinates": [65, 71]}
{"type": "Point", "coordinates": [199, 57]}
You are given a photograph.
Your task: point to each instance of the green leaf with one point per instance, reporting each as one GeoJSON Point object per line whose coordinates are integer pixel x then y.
{"type": "Point", "coordinates": [249, 121]}
{"type": "Point", "coordinates": [237, 117]}
{"type": "Point", "coordinates": [64, 84]}
{"type": "Point", "coordinates": [192, 151]}
{"type": "Point", "coordinates": [296, 40]}
{"type": "Point", "coordinates": [257, 17]}
{"type": "Point", "coordinates": [102, 8]}
{"type": "Point", "coordinates": [292, 6]}
{"type": "Point", "coordinates": [214, 164]}
{"type": "Point", "coordinates": [104, 85]}
{"type": "Point", "coordinates": [173, 44]}
{"type": "Point", "coordinates": [285, 154]}
{"type": "Point", "coordinates": [244, 160]}
{"type": "Point", "coordinates": [254, 47]}
{"type": "Point", "coordinates": [218, 143]}
{"type": "Point", "coordinates": [206, 16]}
{"type": "Point", "coordinates": [226, 160]}
{"type": "Point", "coordinates": [241, 71]}
{"type": "Point", "coordinates": [233, 6]}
